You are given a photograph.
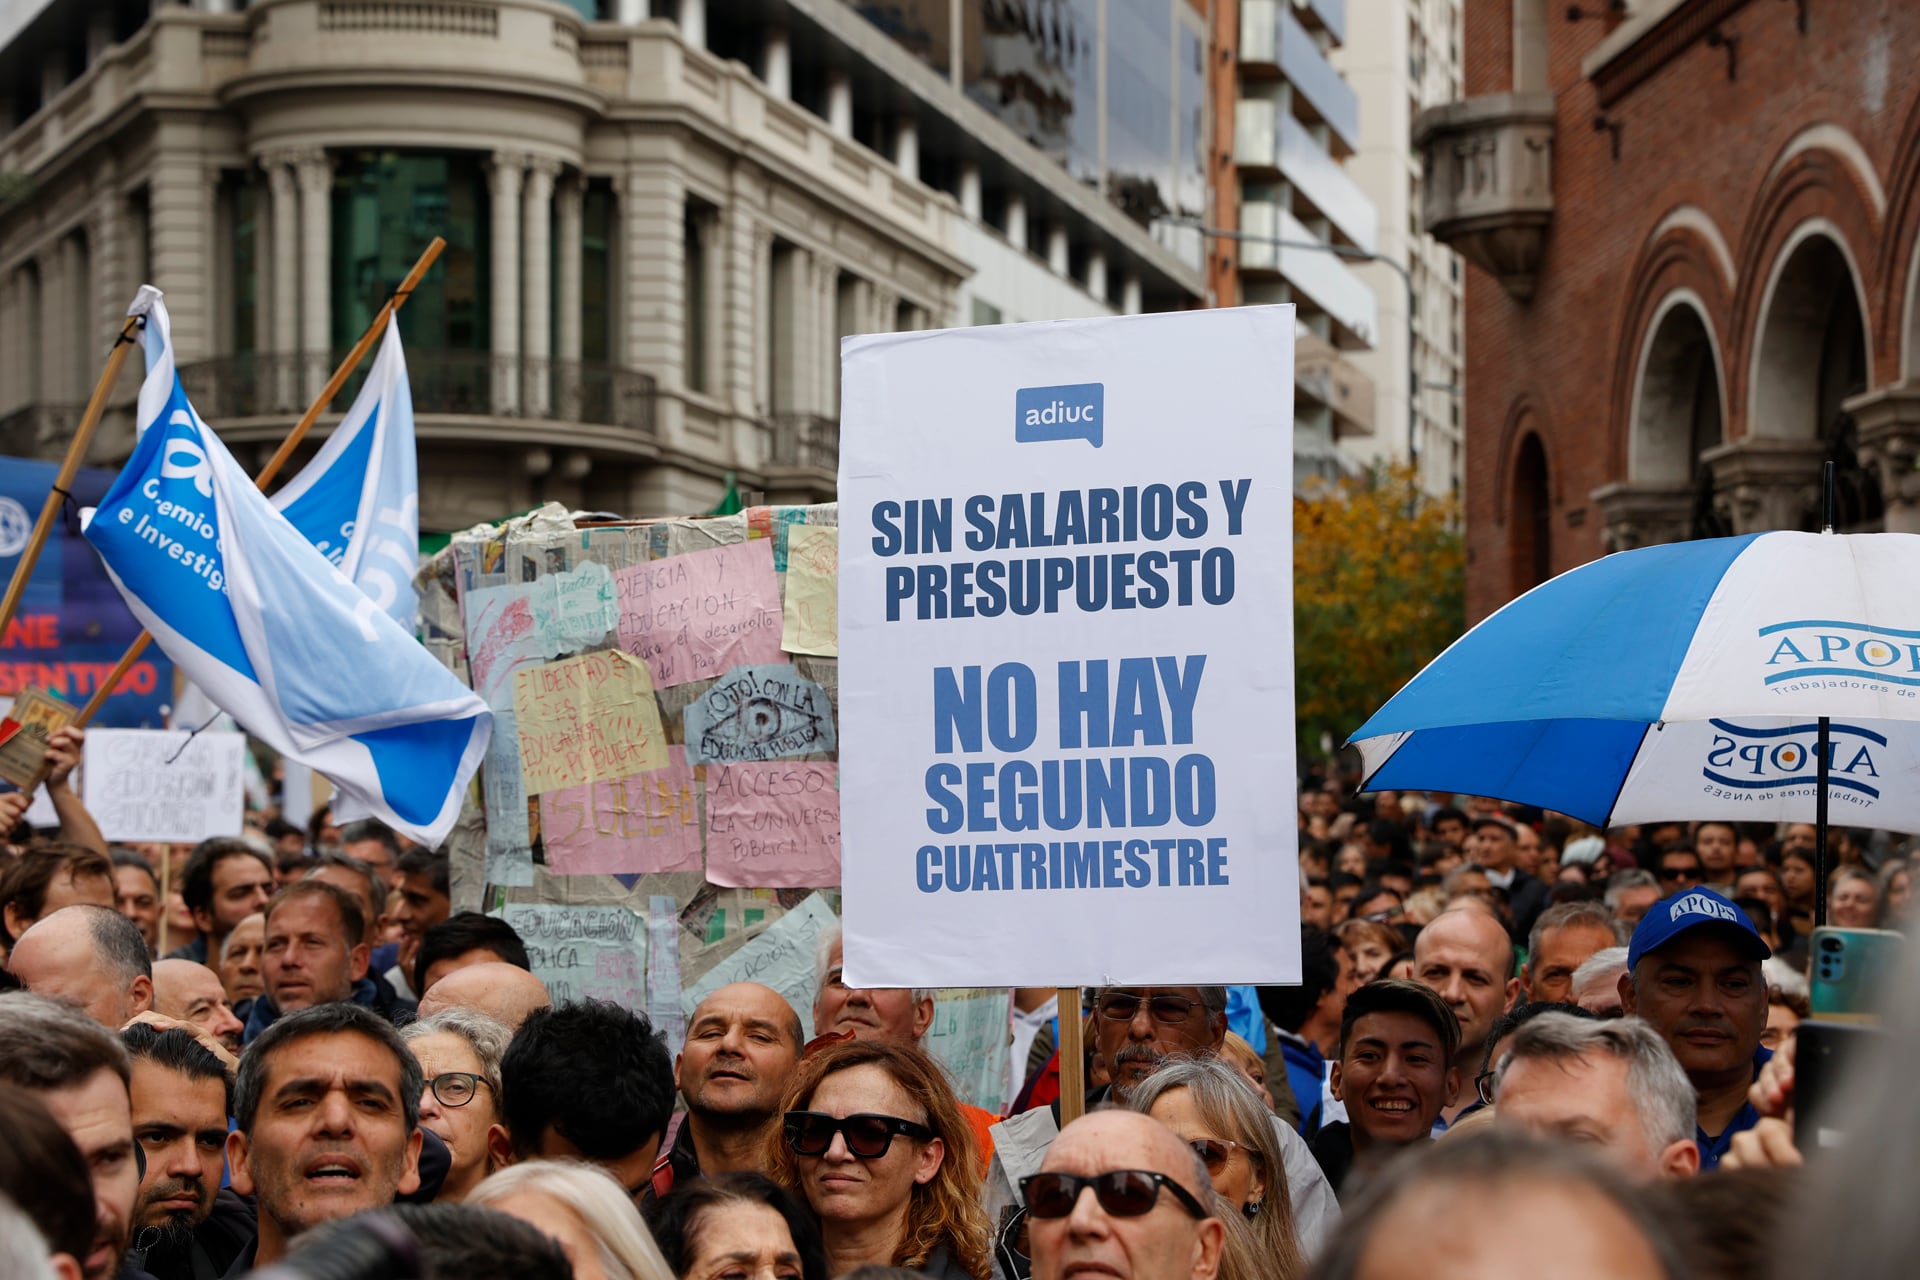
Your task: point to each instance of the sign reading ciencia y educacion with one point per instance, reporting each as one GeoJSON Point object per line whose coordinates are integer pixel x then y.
{"type": "Point", "coordinates": [1066, 653]}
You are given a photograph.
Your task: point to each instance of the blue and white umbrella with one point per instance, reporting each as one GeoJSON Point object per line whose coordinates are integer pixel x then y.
{"type": "Point", "coordinates": [1678, 682]}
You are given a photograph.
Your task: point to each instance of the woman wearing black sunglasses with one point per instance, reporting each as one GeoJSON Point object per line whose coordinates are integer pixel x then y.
{"type": "Point", "coordinates": [873, 1138]}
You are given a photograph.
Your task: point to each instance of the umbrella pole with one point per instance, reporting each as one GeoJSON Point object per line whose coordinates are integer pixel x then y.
{"type": "Point", "coordinates": [1823, 750]}
{"type": "Point", "coordinates": [1823, 747]}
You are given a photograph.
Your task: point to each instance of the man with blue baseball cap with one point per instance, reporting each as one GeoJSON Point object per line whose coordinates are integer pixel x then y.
{"type": "Point", "coordinates": [1693, 972]}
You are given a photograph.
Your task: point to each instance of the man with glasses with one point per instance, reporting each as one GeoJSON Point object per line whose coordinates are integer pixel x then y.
{"type": "Point", "coordinates": [1135, 1029]}
{"type": "Point", "coordinates": [1680, 870]}
{"type": "Point", "coordinates": [1119, 1195]}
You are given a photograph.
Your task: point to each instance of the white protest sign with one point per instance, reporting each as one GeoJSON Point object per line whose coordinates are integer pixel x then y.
{"type": "Point", "coordinates": [585, 953]}
{"type": "Point", "coordinates": [783, 957]}
{"type": "Point", "coordinates": [165, 784]}
{"type": "Point", "coordinates": [969, 1035]}
{"type": "Point", "coordinates": [1066, 653]}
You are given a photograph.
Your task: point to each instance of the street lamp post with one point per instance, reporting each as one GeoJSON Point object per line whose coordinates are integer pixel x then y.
{"type": "Point", "coordinates": [1352, 255]}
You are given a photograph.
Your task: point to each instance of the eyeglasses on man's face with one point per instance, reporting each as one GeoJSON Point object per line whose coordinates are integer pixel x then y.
{"type": "Point", "coordinates": [1168, 1010]}
{"type": "Point", "coordinates": [1122, 1193]}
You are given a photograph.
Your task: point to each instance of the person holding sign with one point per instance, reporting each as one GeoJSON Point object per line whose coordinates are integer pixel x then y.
{"type": "Point", "coordinates": [873, 1139]}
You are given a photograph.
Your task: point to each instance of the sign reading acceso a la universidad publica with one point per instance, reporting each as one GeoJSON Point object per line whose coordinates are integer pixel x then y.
{"type": "Point", "coordinates": [1066, 653]}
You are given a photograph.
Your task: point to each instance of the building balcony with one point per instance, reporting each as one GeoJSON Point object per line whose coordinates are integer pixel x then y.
{"type": "Point", "coordinates": [1489, 181]}
{"type": "Point", "coordinates": [1314, 278]}
{"type": "Point", "coordinates": [1322, 376]}
{"type": "Point", "coordinates": [1274, 44]}
{"type": "Point", "coordinates": [806, 440]}
{"type": "Point", "coordinates": [1268, 142]}
{"type": "Point", "coordinates": [447, 383]}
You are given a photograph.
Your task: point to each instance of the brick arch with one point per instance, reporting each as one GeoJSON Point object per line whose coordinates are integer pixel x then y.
{"type": "Point", "coordinates": [1814, 185]}
{"type": "Point", "coordinates": [1525, 417]}
{"type": "Point", "coordinates": [1680, 258]}
{"type": "Point", "coordinates": [1898, 263]}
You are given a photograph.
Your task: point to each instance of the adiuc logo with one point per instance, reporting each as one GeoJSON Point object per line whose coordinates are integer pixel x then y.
{"type": "Point", "coordinates": [1841, 655]}
{"type": "Point", "coordinates": [1761, 763]}
{"type": "Point", "coordinates": [1073, 412]}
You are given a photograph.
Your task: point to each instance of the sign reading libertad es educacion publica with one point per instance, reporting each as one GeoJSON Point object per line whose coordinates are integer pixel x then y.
{"type": "Point", "coordinates": [1066, 642]}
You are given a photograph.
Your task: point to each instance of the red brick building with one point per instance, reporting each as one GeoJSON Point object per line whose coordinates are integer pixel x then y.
{"type": "Point", "coordinates": [1696, 277]}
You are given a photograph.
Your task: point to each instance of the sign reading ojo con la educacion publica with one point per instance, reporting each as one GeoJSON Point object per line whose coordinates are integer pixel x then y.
{"type": "Point", "coordinates": [1066, 653]}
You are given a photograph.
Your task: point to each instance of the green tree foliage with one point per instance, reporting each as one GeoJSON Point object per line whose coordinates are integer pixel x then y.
{"type": "Point", "coordinates": [1379, 591]}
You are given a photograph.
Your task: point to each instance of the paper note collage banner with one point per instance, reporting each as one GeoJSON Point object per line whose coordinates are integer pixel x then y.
{"type": "Point", "coordinates": [664, 699]}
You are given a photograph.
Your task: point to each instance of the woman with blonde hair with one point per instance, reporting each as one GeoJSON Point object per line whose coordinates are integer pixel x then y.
{"type": "Point", "coordinates": [1210, 1107]}
{"type": "Point", "coordinates": [873, 1139]}
{"type": "Point", "coordinates": [584, 1210]}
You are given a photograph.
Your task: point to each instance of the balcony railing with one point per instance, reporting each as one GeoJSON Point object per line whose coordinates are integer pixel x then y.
{"type": "Point", "coordinates": [806, 440]}
{"type": "Point", "coordinates": [477, 383]}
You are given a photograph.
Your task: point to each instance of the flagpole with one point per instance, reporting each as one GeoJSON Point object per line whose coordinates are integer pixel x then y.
{"type": "Point", "coordinates": [284, 452]}
{"type": "Point", "coordinates": [63, 482]}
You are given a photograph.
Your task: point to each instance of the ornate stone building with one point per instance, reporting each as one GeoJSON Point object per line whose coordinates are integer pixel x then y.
{"type": "Point", "coordinates": [658, 227]}
{"type": "Point", "coordinates": [1695, 234]}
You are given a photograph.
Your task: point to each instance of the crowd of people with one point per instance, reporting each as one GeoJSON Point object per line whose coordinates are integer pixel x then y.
{"type": "Point", "coordinates": [1518, 1043]}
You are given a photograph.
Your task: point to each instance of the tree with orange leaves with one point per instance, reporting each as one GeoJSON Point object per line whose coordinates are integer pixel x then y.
{"type": "Point", "coordinates": [1379, 591]}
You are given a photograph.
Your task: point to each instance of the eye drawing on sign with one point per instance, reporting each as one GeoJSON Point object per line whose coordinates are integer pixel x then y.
{"type": "Point", "coordinates": [763, 712]}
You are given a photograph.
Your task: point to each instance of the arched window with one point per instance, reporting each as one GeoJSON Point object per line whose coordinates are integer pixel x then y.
{"type": "Point", "coordinates": [1529, 516]}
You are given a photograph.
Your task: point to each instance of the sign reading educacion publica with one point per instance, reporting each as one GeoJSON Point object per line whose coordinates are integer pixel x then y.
{"type": "Point", "coordinates": [1066, 653]}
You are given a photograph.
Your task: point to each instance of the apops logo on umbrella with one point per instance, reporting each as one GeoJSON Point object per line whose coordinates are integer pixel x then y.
{"type": "Point", "coordinates": [1823, 648]}
{"type": "Point", "coordinates": [1756, 762]}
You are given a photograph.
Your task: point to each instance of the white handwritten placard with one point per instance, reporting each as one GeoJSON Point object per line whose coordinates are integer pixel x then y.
{"type": "Point", "coordinates": [585, 953]}
{"type": "Point", "coordinates": [969, 1036]}
{"type": "Point", "coordinates": [165, 784]}
{"type": "Point", "coordinates": [782, 957]}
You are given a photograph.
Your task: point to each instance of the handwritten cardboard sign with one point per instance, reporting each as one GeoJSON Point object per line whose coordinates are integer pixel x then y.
{"type": "Point", "coordinates": [585, 953]}
{"type": "Point", "coordinates": [23, 734]}
{"type": "Point", "coordinates": [693, 617]}
{"type": "Point", "coordinates": [586, 719]}
{"type": "Point", "coordinates": [773, 826]}
{"type": "Point", "coordinates": [970, 1031]}
{"type": "Point", "coordinates": [645, 822]}
{"type": "Point", "coordinates": [503, 635]}
{"type": "Point", "coordinates": [811, 609]}
{"type": "Point", "coordinates": [782, 957]}
{"type": "Point", "coordinates": [763, 712]}
{"type": "Point", "coordinates": [165, 784]}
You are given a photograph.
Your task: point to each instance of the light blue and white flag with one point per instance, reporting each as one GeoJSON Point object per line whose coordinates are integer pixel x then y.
{"type": "Point", "coordinates": [359, 499]}
{"type": "Point", "coordinates": [271, 629]}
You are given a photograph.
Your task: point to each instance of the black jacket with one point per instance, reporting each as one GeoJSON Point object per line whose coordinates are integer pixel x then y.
{"type": "Point", "coordinates": [210, 1251]}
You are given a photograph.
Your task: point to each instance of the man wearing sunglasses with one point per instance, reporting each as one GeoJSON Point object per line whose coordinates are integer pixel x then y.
{"type": "Point", "coordinates": [1135, 1029]}
{"type": "Point", "coordinates": [1120, 1196]}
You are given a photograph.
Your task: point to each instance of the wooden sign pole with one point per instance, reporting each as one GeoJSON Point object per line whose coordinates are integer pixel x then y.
{"type": "Point", "coordinates": [1073, 1056]}
{"type": "Point", "coordinates": [63, 482]}
{"type": "Point", "coordinates": [166, 892]}
{"type": "Point", "coordinates": [284, 452]}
